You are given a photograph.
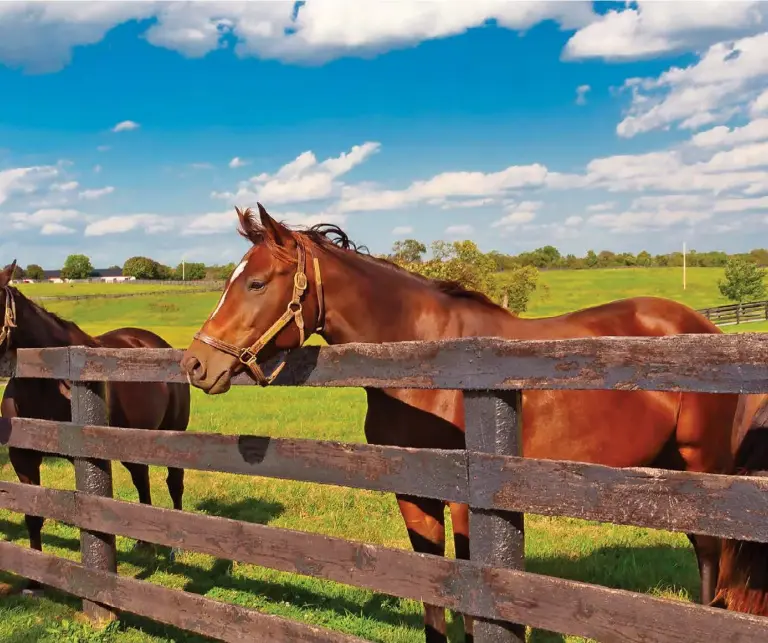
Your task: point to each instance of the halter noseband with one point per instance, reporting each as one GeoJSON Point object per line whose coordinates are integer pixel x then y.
{"type": "Point", "coordinates": [294, 311]}
{"type": "Point", "coordinates": [9, 317]}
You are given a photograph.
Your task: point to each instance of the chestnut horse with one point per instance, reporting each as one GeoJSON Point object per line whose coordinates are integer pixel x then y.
{"type": "Point", "coordinates": [742, 583]}
{"type": "Point", "coordinates": [278, 287]}
{"type": "Point", "coordinates": [130, 405]}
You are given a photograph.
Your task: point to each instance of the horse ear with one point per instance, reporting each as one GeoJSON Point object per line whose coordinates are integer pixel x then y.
{"type": "Point", "coordinates": [6, 276]}
{"type": "Point", "coordinates": [273, 229]}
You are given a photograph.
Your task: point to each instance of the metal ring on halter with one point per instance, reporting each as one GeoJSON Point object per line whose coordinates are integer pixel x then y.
{"type": "Point", "coordinates": [294, 311]}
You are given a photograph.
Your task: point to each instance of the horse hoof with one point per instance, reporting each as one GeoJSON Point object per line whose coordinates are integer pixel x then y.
{"type": "Point", "coordinates": [32, 593]}
{"type": "Point", "coordinates": [175, 551]}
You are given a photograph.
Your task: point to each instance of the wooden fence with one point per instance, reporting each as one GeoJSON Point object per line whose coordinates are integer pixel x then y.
{"type": "Point", "coordinates": [498, 485]}
{"type": "Point", "coordinates": [753, 311]}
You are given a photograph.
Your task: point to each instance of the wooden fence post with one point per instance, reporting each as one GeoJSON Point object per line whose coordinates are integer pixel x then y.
{"type": "Point", "coordinates": [496, 538]}
{"type": "Point", "coordinates": [93, 476]}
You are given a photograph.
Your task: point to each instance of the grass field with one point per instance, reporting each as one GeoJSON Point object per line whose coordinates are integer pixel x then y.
{"type": "Point", "coordinates": [644, 560]}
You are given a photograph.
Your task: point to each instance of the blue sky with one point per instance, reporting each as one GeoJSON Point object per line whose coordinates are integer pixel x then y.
{"type": "Point", "coordinates": [135, 127]}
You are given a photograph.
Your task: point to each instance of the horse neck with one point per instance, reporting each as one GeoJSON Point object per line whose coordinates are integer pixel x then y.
{"type": "Point", "coordinates": [368, 301]}
{"type": "Point", "coordinates": [37, 328]}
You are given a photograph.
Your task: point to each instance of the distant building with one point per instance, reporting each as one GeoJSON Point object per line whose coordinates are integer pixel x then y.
{"type": "Point", "coordinates": [107, 275]}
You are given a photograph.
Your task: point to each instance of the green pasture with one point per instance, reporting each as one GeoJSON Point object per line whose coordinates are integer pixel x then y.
{"type": "Point", "coordinates": [64, 290]}
{"type": "Point", "coordinates": [659, 563]}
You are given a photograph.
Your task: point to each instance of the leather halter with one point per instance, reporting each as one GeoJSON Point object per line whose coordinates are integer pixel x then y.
{"type": "Point", "coordinates": [294, 311]}
{"type": "Point", "coordinates": [9, 317]}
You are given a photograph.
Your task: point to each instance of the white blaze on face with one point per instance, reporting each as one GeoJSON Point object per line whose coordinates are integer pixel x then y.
{"type": "Point", "coordinates": [238, 271]}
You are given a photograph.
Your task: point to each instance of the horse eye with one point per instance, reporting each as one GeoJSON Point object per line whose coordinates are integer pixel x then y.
{"type": "Point", "coordinates": [256, 285]}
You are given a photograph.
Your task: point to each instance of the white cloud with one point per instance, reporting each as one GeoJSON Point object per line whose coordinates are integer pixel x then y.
{"type": "Point", "coordinates": [93, 194]}
{"type": "Point", "coordinates": [237, 162]}
{"type": "Point", "coordinates": [745, 157]}
{"type": "Point", "coordinates": [741, 205]}
{"type": "Point", "coordinates": [655, 28]}
{"type": "Point", "coordinates": [601, 207]}
{"type": "Point", "coordinates": [125, 126]}
{"type": "Point", "coordinates": [581, 94]}
{"type": "Point", "coordinates": [760, 104]}
{"type": "Point", "coordinates": [725, 78]}
{"type": "Point", "coordinates": [25, 180]}
{"type": "Point", "coordinates": [443, 187]}
{"type": "Point", "coordinates": [722, 136]}
{"type": "Point", "coordinates": [573, 221]}
{"type": "Point", "coordinates": [303, 179]}
{"type": "Point", "coordinates": [56, 229]}
{"type": "Point", "coordinates": [518, 214]}
{"type": "Point", "coordinates": [120, 224]}
{"type": "Point", "coordinates": [40, 36]}
{"type": "Point", "coordinates": [42, 218]}
{"type": "Point", "coordinates": [459, 229]}
{"type": "Point", "coordinates": [658, 212]}
{"type": "Point", "coordinates": [402, 230]}
{"type": "Point", "coordinates": [65, 187]}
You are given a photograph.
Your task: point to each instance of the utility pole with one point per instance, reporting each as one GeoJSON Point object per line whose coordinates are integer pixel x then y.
{"type": "Point", "coordinates": [684, 267]}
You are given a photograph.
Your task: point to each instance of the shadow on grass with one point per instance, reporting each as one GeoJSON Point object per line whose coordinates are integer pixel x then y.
{"type": "Point", "coordinates": [639, 569]}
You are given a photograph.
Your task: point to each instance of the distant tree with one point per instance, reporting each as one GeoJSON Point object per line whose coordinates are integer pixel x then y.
{"type": "Point", "coordinates": [35, 272]}
{"type": "Point", "coordinates": [77, 267]}
{"type": "Point", "coordinates": [743, 280]}
{"type": "Point", "coordinates": [141, 268]}
{"type": "Point", "coordinates": [190, 271]}
{"type": "Point", "coordinates": [221, 273]}
{"type": "Point", "coordinates": [408, 251]}
{"type": "Point", "coordinates": [18, 272]}
{"type": "Point", "coordinates": [591, 259]}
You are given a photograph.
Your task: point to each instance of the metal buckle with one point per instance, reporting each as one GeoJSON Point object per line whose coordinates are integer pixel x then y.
{"type": "Point", "coordinates": [250, 354]}
{"type": "Point", "coordinates": [300, 281]}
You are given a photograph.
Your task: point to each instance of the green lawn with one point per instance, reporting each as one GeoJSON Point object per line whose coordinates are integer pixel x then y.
{"type": "Point", "coordinates": [623, 557]}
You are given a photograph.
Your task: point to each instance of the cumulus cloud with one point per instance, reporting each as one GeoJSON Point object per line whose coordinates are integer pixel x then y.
{"type": "Point", "coordinates": [727, 76]}
{"type": "Point", "coordinates": [120, 224]}
{"type": "Point", "coordinates": [442, 188]}
{"type": "Point", "coordinates": [760, 104]}
{"type": "Point", "coordinates": [40, 36]}
{"type": "Point", "coordinates": [655, 28]}
{"type": "Point", "coordinates": [518, 214]}
{"type": "Point", "coordinates": [55, 229]}
{"type": "Point", "coordinates": [303, 179]}
{"type": "Point", "coordinates": [402, 230]}
{"type": "Point", "coordinates": [93, 194]}
{"type": "Point", "coordinates": [25, 180]}
{"type": "Point", "coordinates": [723, 136]}
{"type": "Point", "coordinates": [573, 221]}
{"type": "Point", "coordinates": [65, 187]}
{"type": "Point", "coordinates": [47, 218]}
{"type": "Point", "coordinates": [125, 126]}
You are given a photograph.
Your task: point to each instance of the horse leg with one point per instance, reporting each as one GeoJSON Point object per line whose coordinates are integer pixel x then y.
{"type": "Point", "coordinates": [140, 476]}
{"type": "Point", "coordinates": [425, 522]}
{"type": "Point", "coordinates": [26, 464]}
{"type": "Point", "coordinates": [707, 551]}
{"type": "Point", "coordinates": [175, 482]}
{"type": "Point", "coordinates": [460, 522]}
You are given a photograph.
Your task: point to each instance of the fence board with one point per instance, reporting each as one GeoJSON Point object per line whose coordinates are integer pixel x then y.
{"type": "Point", "coordinates": [571, 607]}
{"type": "Point", "coordinates": [716, 505]}
{"type": "Point", "coordinates": [710, 363]}
{"type": "Point", "coordinates": [431, 473]}
{"type": "Point", "coordinates": [191, 612]}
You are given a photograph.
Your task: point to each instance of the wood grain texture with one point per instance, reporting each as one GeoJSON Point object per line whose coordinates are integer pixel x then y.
{"type": "Point", "coordinates": [608, 615]}
{"type": "Point", "coordinates": [190, 612]}
{"type": "Point", "coordinates": [432, 473]}
{"type": "Point", "coordinates": [735, 363]}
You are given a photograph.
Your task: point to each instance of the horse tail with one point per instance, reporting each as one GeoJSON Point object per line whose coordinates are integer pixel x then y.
{"type": "Point", "coordinates": [742, 584]}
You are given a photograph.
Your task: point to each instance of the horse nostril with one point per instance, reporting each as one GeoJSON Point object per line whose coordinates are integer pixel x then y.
{"type": "Point", "coordinates": [194, 368]}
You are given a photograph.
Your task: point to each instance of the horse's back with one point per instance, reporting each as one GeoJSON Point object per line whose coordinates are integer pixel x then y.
{"type": "Point", "coordinates": [145, 405]}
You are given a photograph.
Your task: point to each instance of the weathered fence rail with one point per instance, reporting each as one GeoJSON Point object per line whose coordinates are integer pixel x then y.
{"type": "Point", "coordinates": [498, 485]}
{"type": "Point", "coordinates": [753, 311]}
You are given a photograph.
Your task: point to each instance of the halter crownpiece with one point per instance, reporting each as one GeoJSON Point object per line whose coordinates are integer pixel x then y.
{"type": "Point", "coordinates": [294, 311]}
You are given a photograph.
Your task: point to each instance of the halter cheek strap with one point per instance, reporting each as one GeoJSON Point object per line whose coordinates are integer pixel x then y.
{"type": "Point", "coordinates": [293, 312]}
{"type": "Point", "coordinates": [9, 317]}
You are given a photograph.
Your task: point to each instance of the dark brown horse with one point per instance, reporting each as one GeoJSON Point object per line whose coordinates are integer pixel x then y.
{"type": "Point", "coordinates": [277, 289]}
{"type": "Point", "coordinates": [136, 405]}
{"type": "Point", "coordinates": [742, 583]}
